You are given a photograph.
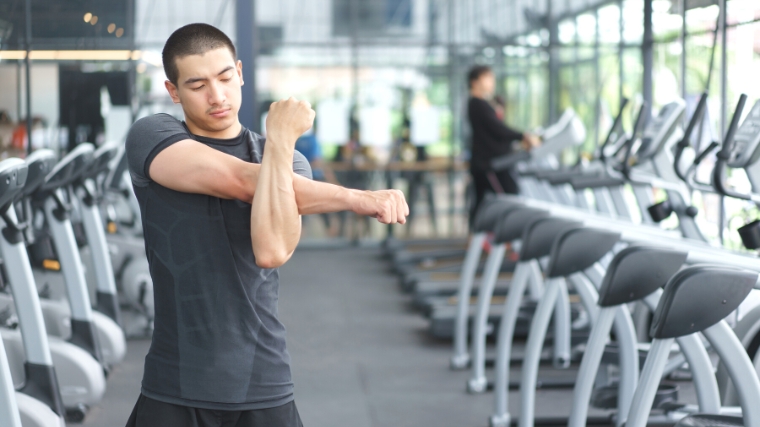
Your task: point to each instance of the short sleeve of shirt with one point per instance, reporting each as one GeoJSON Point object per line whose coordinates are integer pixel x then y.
{"type": "Point", "coordinates": [146, 138]}
{"type": "Point", "coordinates": [301, 166]}
{"type": "Point", "coordinates": [309, 147]}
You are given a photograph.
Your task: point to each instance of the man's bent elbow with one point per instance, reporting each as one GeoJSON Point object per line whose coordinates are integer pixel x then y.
{"type": "Point", "coordinates": [271, 259]}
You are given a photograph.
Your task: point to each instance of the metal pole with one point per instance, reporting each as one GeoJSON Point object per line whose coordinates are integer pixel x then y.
{"type": "Point", "coordinates": [723, 68]}
{"type": "Point", "coordinates": [27, 62]}
{"type": "Point", "coordinates": [132, 73]}
{"type": "Point", "coordinates": [453, 107]}
{"type": "Point", "coordinates": [553, 62]}
{"type": "Point", "coordinates": [723, 99]}
{"type": "Point", "coordinates": [647, 50]}
{"type": "Point", "coordinates": [621, 68]}
{"type": "Point", "coordinates": [247, 39]}
{"type": "Point", "coordinates": [683, 51]}
{"type": "Point", "coordinates": [19, 91]}
{"type": "Point", "coordinates": [598, 79]}
{"type": "Point", "coordinates": [354, 17]}
{"type": "Point", "coordinates": [353, 10]}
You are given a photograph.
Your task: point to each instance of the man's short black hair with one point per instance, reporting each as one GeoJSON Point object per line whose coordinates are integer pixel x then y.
{"type": "Point", "coordinates": [192, 39]}
{"type": "Point", "coordinates": [476, 72]}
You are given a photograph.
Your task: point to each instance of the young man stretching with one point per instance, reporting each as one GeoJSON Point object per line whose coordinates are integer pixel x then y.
{"type": "Point", "coordinates": [221, 211]}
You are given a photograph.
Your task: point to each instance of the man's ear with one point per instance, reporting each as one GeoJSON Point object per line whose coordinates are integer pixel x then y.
{"type": "Point", "coordinates": [240, 71]}
{"type": "Point", "coordinates": [172, 91]}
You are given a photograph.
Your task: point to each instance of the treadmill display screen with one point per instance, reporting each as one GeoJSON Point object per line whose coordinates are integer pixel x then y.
{"type": "Point", "coordinates": [746, 149]}
{"type": "Point", "coordinates": [654, 133]}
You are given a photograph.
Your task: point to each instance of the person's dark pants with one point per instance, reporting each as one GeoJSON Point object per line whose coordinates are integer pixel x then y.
{"type": "Point", "coordinates": [152, 413]}
{"type": "Point", "coordinates": [488, 181]}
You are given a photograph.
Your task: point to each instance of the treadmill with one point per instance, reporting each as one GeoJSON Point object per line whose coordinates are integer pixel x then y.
{"type": "Point", "coordinates": [567, 132]}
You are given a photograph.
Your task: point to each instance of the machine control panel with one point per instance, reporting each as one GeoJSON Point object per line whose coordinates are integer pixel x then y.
{"type": "Point", "coordinates": [746, 149]}
{"type": "Point", "coordinates": [659, 129]}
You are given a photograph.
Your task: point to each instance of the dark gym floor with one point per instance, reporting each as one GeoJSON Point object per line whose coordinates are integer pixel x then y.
{"type": "Point", "coordinates": [360, 356]}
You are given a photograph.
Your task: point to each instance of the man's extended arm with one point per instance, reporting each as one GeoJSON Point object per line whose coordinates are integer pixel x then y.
{"type": "Point", "coordinates": [192, 167]}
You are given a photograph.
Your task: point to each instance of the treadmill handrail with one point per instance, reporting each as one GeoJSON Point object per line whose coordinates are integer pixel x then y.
{"type": "Point", "coordinates": [691, 172]}
{"type": "Point", "coordinates": [686, 140]}
{"type": "Point", "coordinates": [721, 186]}
{"type": "Point", "coordinates": [636, 233]}
{"type": "Point", "coordinates": [638, 128]}
{"type": "Point", "coordinates": [510, 160]}
{"type": "Point", "coordinates": [618, 123]}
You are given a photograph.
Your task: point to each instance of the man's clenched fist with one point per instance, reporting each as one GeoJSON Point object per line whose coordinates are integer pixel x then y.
{"type": "Point", "coordinates": [287, 120]}
{"type": "Point", "coordinates": [388, 206]}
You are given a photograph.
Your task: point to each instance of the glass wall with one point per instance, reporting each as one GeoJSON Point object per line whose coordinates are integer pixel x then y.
{"type": "Point", "coordinates": [391, 57]}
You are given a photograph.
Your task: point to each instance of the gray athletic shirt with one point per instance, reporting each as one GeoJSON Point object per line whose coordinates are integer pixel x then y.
{"type": "Point", "coordinates": [217, 342]}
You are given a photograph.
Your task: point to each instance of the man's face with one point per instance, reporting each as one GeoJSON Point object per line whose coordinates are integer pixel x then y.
{"type": "Point", "coordinates": [208, 87]}
{"type": "Point", "coordinates": [487, 84]}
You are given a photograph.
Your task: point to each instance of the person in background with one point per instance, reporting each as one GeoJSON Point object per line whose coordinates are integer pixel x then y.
{"type": "Point", "coordinates": [491, 138]}
{"type": "Point", "coordinates": [20, 137]}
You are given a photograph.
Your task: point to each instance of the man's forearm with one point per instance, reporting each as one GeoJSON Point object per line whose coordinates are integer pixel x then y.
{"type": "Point", "coordinates": [315, 197]}
{"type": "Point", "coordinates": [312, 197]}
{"type": "Point", "coordinates": [275, 221]}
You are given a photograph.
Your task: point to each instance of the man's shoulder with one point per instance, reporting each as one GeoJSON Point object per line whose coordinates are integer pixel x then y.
{"type": "Point", "coordinates": [147, 137]}
{"type": "Point", "coordinates": [155, 122]}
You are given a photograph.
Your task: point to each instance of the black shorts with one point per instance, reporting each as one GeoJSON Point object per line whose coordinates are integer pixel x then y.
{"type": "Point", "coordinates": [152, 413]}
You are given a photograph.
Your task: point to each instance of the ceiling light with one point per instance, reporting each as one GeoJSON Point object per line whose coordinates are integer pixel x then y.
{"type": "Point", "coordinates": [73, 55]}
{"type": "Point", "coordinates": [119, 32]}
{"type": "Point", "coordinates": [94, 20]}
{"type": "Point", "coordinates": [87, 17]}
{"type": "Point", "coordinates": [111, 28]}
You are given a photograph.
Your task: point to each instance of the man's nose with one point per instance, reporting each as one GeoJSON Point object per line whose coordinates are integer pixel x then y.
{"type": "Point", "coordinates": [216, 94]}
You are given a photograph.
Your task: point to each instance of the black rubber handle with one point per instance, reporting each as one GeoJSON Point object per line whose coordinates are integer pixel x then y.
{"type": "Point", "coordinates": [725, 153]}
{"type": "Point", "coordinates": [684, 142]}
{"type": "Point", "coordinates": [615, 126]}
{"type": "Point", "coordinates": [710, 148]}
{"type": "Point", "coordinates": [698, 113]}
{"type": "Point", "coordinates": [638, 127]}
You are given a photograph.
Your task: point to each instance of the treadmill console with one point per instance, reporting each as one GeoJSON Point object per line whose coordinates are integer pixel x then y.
{"type": "Point", "coordinates": [567, 132]}
{"type": "Point", "coordinates": [746, 149]}
{"type": "Point", "coordinates": [659, 129]}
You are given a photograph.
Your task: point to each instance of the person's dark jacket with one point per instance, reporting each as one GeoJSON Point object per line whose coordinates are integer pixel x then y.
{"type": "Point", "coordinates": [491, 138]}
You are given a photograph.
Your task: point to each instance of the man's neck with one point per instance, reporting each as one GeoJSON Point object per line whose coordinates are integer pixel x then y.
{"type": "Point", "coordinates": [477, 94]}
{"type": "Point", "coordinates": [230, 132]}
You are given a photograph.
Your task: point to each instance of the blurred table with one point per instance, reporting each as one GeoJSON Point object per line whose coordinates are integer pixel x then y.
{"type": "Point", "coordinates": [436, 164]}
